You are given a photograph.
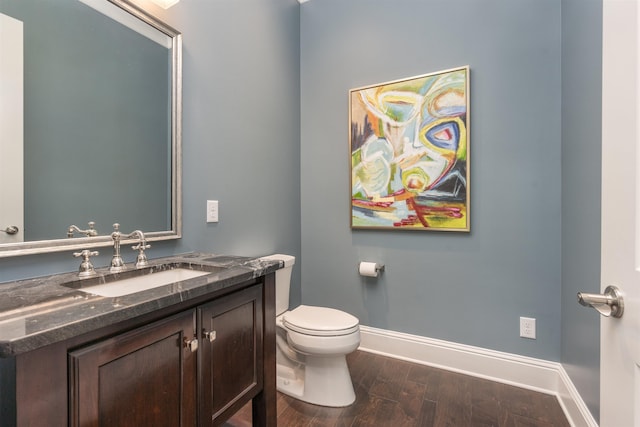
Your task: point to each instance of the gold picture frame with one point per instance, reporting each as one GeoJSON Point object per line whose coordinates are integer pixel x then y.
{"type": "Point", "coordinates": [409, 149]}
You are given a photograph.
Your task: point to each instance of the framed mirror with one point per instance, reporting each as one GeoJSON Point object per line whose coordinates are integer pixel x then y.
{"type": "Point", "coordinates": [91, 104]}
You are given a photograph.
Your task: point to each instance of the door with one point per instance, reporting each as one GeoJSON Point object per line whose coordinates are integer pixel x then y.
{"type": "Point", "coordinates": [230, 354]}
{"type": "Point", "coordinates": [620, 338]}
{"type": "Point", "coordinates": [11, 130]}
{"type": "Point", "coordinates": [145, 377]}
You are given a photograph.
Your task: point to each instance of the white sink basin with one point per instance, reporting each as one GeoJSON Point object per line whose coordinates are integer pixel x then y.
{"type": "Point", "coordinates": [144, 282]}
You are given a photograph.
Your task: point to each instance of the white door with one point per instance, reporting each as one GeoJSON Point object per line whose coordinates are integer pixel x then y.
{"type": "Point", "coordinates": [11, 130]}
{"type": "Point", "coordinates": [620, 338]}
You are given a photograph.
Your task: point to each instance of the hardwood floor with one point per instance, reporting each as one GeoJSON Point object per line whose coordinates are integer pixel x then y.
{"type": "Point", "coordinates": [395, 393]}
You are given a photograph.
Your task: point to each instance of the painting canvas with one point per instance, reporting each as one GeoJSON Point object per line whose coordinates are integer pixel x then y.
{"type": "Point", "coordinates": [409, 146]}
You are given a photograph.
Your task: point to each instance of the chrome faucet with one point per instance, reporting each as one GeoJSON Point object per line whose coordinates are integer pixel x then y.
{"type": "Point", "coordinates": [117, 263]}
{"type": "Point", "coordinates": [141, 259]}
{"type": "Point", "coordinates": [89, 232]}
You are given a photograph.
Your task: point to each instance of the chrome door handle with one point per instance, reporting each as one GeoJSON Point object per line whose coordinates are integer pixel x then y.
{"type": "Point", "coordinates": [12, 229]}
{"type": "Point", "coordinates": [608, 304]}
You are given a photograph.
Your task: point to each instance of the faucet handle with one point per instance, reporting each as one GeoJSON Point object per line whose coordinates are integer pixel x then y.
{"type": "Point", "coordinates": [141, 259]}
{"type": "Point", "coordinates": [92, 232]}
{"type": "Point", "coordinates": [86, 253]}
{"type": "Point", "coordinates": [86, 268]}
{"type": "Point", "coordinates": [141, 246]}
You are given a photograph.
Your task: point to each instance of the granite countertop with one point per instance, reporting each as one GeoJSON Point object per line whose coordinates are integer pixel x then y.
{"type": "Point", "coordinates": [41, 311]}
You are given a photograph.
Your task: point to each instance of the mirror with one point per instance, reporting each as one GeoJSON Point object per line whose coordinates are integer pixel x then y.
{"type": "Point", "coordinates": [100, 135]}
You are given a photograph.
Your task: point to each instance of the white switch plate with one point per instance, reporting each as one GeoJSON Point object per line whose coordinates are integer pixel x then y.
{"type": "Point", "coordinates": [212, 211]}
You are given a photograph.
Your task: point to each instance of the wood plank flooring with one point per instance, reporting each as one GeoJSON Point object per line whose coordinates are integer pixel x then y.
{"type": "Point", "coordinates": [395, 393]}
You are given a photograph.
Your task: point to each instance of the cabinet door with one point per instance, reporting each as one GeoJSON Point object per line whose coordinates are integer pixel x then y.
{"type": "Point", "coordinates": [145, 377]}
{"type": "Point", "coordinates": [230, 354]}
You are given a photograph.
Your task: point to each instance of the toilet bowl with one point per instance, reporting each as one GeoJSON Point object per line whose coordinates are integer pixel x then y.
{"type": "Point", "coordinates": [312, 344]}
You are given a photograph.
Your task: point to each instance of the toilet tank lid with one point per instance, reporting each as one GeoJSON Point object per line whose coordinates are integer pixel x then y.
{"type": "Point", "coordinates": [289, 260]}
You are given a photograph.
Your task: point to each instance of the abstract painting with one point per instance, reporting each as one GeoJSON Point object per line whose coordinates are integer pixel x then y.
{"type": "Point", "coordinates": [409, 145]}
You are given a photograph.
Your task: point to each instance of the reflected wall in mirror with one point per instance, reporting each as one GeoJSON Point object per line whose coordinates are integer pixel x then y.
{"type": "Point", "coordinates": [101, 123]}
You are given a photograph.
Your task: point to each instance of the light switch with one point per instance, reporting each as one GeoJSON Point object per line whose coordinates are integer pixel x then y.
{"type": "Point", "coordinates": [212, 211]}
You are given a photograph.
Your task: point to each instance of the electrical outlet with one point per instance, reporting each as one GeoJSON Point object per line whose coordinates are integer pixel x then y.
{"type": "Point", "coordinates": [212, 211]}
{"type": "Point", "coordinates": [528, 327]}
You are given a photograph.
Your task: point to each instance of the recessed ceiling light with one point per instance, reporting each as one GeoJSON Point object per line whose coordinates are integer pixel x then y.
{"type": "Point", "coordinates": [165, 4]}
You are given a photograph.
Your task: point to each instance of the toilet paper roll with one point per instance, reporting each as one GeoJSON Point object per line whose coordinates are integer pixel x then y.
{"type": "Point", "coordinates": [369, 269]}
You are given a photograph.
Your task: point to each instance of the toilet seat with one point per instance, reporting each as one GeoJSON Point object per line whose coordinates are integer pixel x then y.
{"type": "Point", "coordinates": [320, 321]}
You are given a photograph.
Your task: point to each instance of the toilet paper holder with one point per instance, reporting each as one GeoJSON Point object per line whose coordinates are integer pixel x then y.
{"type": "Point", "coordinates": [370, 269]}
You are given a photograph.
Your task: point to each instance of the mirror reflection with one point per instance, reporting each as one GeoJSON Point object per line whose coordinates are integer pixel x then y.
{"type": "Point", "coordinates": [98, 134]}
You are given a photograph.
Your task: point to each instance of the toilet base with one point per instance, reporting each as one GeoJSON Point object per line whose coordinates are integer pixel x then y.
{"type": "Point", "coordinates": [323, 381]}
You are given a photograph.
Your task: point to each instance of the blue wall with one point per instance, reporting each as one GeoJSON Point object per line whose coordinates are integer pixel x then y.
{"type": "Point", "coordinates": [466, 288]}
{"type": "Point", "coordinates": [266, 133]}
{"type": "Point", "coordinates": [241, 125]}
{"type": "Point", "coordinates": [581, 173]}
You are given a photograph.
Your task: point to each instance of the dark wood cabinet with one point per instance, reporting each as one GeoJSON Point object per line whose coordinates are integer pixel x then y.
{"type": "Point", "coordinates": [230, 355]}
{"type": "Point", "coordinates": [146, 377]}
{"type": "Point", "coordinates": [194, 364]}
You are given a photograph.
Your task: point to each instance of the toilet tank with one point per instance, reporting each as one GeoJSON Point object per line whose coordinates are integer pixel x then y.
{"type": "Point", "coordinates": [283, 281]}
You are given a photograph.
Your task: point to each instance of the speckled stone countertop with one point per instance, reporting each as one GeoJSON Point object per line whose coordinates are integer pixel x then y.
{"type": "Point", "coordinates": [41, 311]}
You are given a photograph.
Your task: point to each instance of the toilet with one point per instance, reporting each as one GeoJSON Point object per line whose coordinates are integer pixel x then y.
{"type": "Point", "coordinates": [311, 347]}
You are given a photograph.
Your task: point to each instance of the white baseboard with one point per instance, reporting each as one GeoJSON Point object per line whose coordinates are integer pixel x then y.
{"type": "Point", "coordinates": [526, 372]}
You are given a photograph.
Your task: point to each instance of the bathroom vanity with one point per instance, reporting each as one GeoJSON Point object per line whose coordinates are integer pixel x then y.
{"type": "Point", "coordinates": [186, 353]}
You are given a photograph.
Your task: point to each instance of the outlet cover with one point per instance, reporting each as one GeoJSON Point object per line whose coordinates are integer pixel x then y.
{"type": "Point", "coordinates": [528, 327]}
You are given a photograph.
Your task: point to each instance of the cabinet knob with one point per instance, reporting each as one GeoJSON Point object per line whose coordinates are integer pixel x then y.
{"type": "Point", "coordinates": [191, 345]}
{"type": "Point", "coordinates": [210, 335]}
